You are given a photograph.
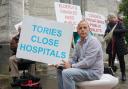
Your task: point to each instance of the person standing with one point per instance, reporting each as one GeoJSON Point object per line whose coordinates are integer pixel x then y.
{"type": "Point", "coordinates": [117, 44]}
{"type": "Point", "coordinates": [86, 63]}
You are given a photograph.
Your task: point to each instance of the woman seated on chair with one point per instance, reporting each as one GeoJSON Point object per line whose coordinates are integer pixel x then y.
{"type": "Point", "coordinates": [13, 69]}
{"type": "Point", "coordinates": [14, 63]}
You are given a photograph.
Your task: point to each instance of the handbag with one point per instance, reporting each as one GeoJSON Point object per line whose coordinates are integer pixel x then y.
{"type": "Point", "coordinates": [108, 36]}
{"type": "Point", "coordinates": [108, 70]}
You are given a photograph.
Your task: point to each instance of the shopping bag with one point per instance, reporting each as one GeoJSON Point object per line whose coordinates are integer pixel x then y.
{"type": "Point", "coordinates": [108, 36]}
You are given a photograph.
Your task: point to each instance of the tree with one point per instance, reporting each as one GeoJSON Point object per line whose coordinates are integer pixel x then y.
{"type": "Point", "coordinates": [124, 9]}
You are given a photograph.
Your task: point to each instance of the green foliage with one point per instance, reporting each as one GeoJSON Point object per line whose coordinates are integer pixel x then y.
{"type": "Point", "coordinates": [123, 8]}
{"type": "Point", "coordinates": [126, 25]}
{"type": "Point", "coordinates": [126, 21]}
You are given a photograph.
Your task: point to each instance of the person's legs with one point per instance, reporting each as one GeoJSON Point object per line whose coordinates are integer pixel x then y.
{"type": "Point", "coordinates": [122, 67]}
{"type": "Point", "coordinates": [59, 77]}
{"type": "Point", "coordinates": [110, 60]}
{"type": "Point", "coordinates": [113, 62]}
{"type": "Point", "coordinates": [14, 72]}
{"type": "Point", "coordinates": [72, 75]}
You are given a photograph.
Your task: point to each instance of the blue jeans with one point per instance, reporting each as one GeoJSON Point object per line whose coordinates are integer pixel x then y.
{"type": "Point", "coordinates": [68, 77]}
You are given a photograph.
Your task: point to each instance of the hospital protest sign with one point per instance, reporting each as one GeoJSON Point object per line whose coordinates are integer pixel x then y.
{"type": "Point", "coordinates": [96, 22]}
{"type": "Point", "coordinates": [68, 13]}
{"type": "Point", "coordinates": [44, 41]}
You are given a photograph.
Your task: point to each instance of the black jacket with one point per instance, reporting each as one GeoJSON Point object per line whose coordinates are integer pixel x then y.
{"type": "Point", "coordinates": [119, 40]}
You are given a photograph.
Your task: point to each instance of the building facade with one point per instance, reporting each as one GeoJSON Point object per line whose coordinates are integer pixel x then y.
{"type": "Point", "coordinates": [13, 11]}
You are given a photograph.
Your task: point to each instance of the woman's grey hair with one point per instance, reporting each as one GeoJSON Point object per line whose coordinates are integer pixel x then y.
{"type": "Point", "coordinates": [111, 16]}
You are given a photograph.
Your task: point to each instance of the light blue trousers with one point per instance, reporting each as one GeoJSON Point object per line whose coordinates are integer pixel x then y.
{"type": "Point", "coordinates": [68, 77]}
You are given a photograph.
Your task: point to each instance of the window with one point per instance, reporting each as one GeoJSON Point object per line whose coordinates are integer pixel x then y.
{"type": "Point", "coordinates": [76, 2]}
{"type": "Point", "coordinates": [65, 1]}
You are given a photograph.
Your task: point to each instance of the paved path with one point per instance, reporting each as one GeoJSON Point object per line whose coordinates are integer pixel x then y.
{"type": "Point", "coordinates": [49, 79]}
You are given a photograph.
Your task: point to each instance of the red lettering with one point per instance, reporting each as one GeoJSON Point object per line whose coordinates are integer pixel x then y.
{"type": "Point", "coordinates": [95, 30]}
{"type": "Point", "coordinates": [98, 30]}
{"type": "Point", "coordinates": [100, 21]}
{"type": "Point", "coordinates": [66, 11]}
{"type": "Point", "coordinates": [69, 17]}
{"type": "Point", "coordinates": [91, 20]}
{"type": "Point", "coordinates": [93, 25]}
{"type": "Point", "coordinates": [99, 26]}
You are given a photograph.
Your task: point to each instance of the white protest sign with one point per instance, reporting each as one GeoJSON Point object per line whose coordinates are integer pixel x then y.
{"type": "Point", "coordinates": [67, 13]}
{"type": "Point", "coordinates": [96, 22]}
{"type": "Point", "coordinates": [44, 40]}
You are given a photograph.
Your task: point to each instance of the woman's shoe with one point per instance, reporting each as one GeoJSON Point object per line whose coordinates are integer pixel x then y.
{"type": "Point", "coordinates": [123, 77]}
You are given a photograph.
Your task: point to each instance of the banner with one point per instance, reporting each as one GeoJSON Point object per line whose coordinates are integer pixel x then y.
{"type": "Point", "coordinates": [96, 22]}
{"type": "Point", "coordinates": [67, 13]}
{"type": "Point", "coordinates": [44, 40]}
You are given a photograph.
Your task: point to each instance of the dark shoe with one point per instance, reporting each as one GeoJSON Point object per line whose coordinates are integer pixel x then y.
{"type": "Point", "coordinates": [123, 77]}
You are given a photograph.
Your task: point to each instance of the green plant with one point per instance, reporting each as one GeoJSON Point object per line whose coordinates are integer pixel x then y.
{"type": "Point", "coordinates": [123, 8]}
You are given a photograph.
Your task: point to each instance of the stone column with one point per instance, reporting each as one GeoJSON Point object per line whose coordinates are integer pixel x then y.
{"type": "Point", "coordinates": [4, 21]}
{"type": "Point", "coordinates": [15, 14]}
